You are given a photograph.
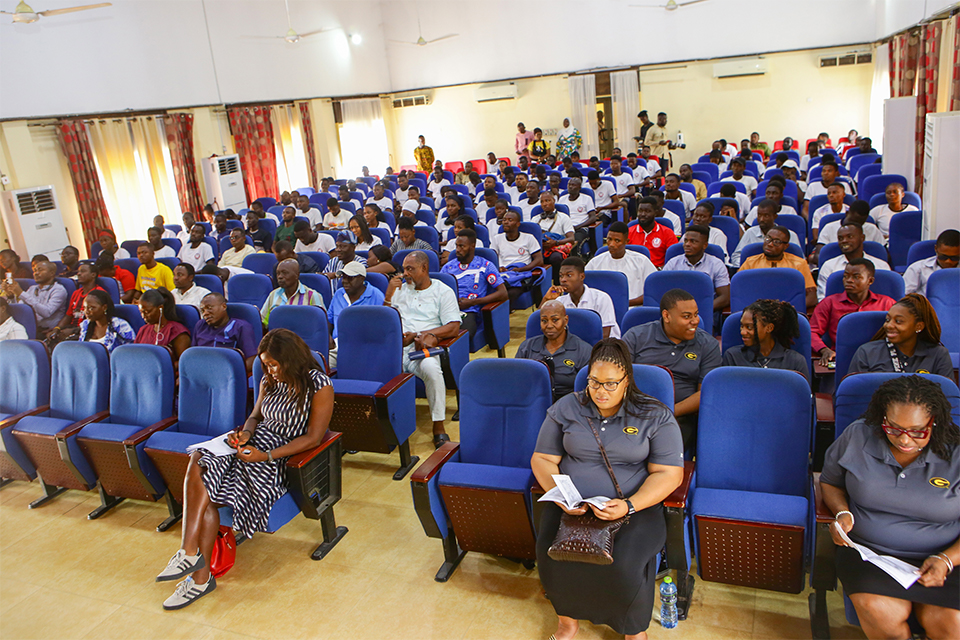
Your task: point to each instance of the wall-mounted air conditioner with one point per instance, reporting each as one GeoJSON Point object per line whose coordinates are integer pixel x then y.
{"type": "Point", "coordinates": [420, 100]}
{"type": "Point", "coordinates": [34, 222]}
{"type": "Point", "coordinates": [224, 182]}
{"type": "Point", "coordinates": [495, 91]}
{"type": "Point", "coordinates": [737, 68]}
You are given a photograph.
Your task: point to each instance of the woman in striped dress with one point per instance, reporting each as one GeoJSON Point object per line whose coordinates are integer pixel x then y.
{"type": "Point", "coordinates": [291, 415]}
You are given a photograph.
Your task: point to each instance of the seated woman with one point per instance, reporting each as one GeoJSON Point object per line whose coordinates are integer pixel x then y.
{"type": "Point", "coordinates": [642, 435]}
{"type": "Point", "coordinates": [291, 415]}
{"type": "Point", "coordinates": [768, 328]}
{"type": "Point", "coordinates": [163, 327]}
{"type": "Point", "coordinates": [448, 216]}
{"type": "Point", "coordinates": [379, 261]}
{"type": "Point", "coordinates": [908, 342]}
{"type": "Point", "coordinates": [888, 480]}
{"type": "Point", "coordinates": [563, 352]}
{"type": "Point", "coordinates": [449, 248]}
{"type": "Point", "coordinates": [358, 224]}
{"type": "Point", "coordinates": [99, 323]}
{"type": "Point", "coordinates": [373, 216]}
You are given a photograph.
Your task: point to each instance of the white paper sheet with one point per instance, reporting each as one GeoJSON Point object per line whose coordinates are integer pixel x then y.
{"type": "Point", "coordinates": [903, 572]}
{"type": "Point", "coordinates": [217, 446]}
{"type": "Point", "coordinates": [566, 494]}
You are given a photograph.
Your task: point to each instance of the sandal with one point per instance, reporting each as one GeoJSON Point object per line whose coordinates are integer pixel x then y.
{"type": "Point", "coordinates": [439, 439]}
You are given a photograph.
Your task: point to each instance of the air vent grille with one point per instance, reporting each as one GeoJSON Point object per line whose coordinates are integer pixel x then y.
{"type": "Point", "coordinates": [35, 201]}
{"type": "Point", "coordinates": [410, 101]}
{"type": "Point", "coordinates": [228, 165]}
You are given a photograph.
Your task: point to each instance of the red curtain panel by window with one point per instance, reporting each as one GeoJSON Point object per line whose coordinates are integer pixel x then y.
{"type": "Point", "coordinates": [253, 137]}
{"type": "Point", "coordinates": [955, 85]}
{"type": "Point", "coordinates": [306, 122]}
{"type": "Point", "coordinates": [179, 130]}
{"type": "Point", "coordinates": [86, 184]}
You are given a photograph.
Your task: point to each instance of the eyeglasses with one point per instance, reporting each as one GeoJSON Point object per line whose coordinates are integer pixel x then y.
{"type": "Point", "coordinates": [595, 384]}
{"type": "Point", "coordinates": [916, 434]}
{"type": "Point", "coordinates": [777, 242]}
{"type": "Point", "coordinates": [942, 257]}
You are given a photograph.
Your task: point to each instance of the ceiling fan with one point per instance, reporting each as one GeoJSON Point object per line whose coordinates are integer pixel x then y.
{"type": "Point", "coordinates": [24, 14]}
{"type": "Point", "coordinates": [421, 42]}
{"type": "Point", "coordinates": [291, 35]}
{"type": "Point", "coordinates": [671, 5]}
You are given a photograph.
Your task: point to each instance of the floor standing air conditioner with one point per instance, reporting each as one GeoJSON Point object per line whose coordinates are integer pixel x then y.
{"type": "Point", "coordinates": [34, 223]}
{"type": "Point", "coordinates": [224, 182]}
{"type": "Point", "coordinates": [941, 167]}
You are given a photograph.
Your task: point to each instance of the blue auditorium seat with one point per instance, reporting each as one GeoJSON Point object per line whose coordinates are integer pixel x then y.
{"type": "Point", "coordinates": [24, 391]}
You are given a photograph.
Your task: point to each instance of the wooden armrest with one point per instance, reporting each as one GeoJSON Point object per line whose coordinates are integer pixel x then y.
{"type": "Point", "coordinates": [821, 370]}
{"type": "Point", "coordinates": [14, 419]}
{"type": "Point", "coordinates": [536, 489]}
{"type": "Point", "coordinates": [72, 429]}
{"type": "Point", "coordinates": [824, 515]}
{"type": "Point", "coordinates": [824, 407]}
{"type": "Point", "coordinates": [446, 344]}
{"type": "Point", "coordinates": [299, 460]}
{"type": "Point", "coordinates": [437, 459]}
{"type": "Point", "coordinates": [387, 390]}
{"type": "Point", "coordinates": [678, 499]}
{"type": "Point", "coordinates": [145, 433]}
{"type": "Point", "coordinates": [493, 305]}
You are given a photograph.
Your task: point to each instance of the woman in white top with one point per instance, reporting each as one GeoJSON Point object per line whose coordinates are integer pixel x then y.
{"type": "Point", "coordinates": [446, 217]}
{"type": "Point", "coordinates": [358, 224]}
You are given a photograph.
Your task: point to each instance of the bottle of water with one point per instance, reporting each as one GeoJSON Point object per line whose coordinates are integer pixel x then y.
{"type": "Point", "coordinates": [668, 603]}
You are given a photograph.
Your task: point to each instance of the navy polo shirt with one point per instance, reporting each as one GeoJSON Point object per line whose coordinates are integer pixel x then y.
{"type": "Point", "coordinates": [567, 360]}
{"type": "Point", "coordinates": [874, 356]}
{"type": "Point", "coordinates": [779, 358]}
{"type": "Point", "coordinates": [689, 361]}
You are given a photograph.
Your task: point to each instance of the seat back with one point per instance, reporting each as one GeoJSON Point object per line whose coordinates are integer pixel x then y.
{"type": "Point", "coordinates": [310, 323]}
{"type": "Point", "coordinates": [130, 313]}
{"type": "Point", "coordinates": [111, 287]}
{"type": "Point", "coordinates": [873, 185]}
{"type": "Point", "coordinates": [210, 282]}
{"type": "Point", "coordinates": [653, 380]}
{"type": "Point", "coordinates": [251, 314]}
{"type": "Point", "coordinates": [921, 251]}
{"type": "Point", "coordinates": [79, 380]}
{"type": "Point", "coordinates": [583, 323]}
{"type": "Point", "coordinates": [675, 250]}
{"type": "Point", "coordinates": [503, 403]}
{"type": "Point", "coordinates": [615, 285]}
{"type": "Point", "coordinates": [943, 291]}
{"type": "Point", "coordinates": [853, 330]}
{"type": "Point", "coordinates": [636, 316]}
{"type": "Point", "coordinates": [832, 250]}
{"type": "Point", "coordinates": [249, 288]}
{"type": "Point", "coordinates": [855, 391]}
{"type": "Point", "coordinates": [905, 231]}
{"type": "Point", "coordinates": [734, 436]}
{"type": "Point", "coordinates": [321, 258]}
{"type": "Point", "coordinates": [141, 384]}
{"type": "Point", "coordinates": [886, 283]}
{"type": "Point", "coordinates": [730, 334]}
{"type": "Point", "coordinates": [369, 344]}
{"type": "Point", "coordinates": [24, 376]}
{"type": "Point", "coordinates": [213, 391]}
{"type": "Point", "coordinates": [189, 316]}
{"type": "Point", "coordinates": [319, 283]}
{"type": "Point", "coordinates": [262, 263]}
{"type": "Point", "coordinates": [639, 248]}
{"type": "Point", "coordinates": [697, 284]}
{"type": "Point", "coordinates": [432, 259]}
{"type": "Point", "coordinates": [730, 228]}
{"type": "Point", "coordinates": [746, 287]}
{"type": "Point", "coordinates": [24, 315]}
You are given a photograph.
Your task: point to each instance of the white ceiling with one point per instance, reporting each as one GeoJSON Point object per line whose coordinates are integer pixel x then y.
{"type": "Point", "coordinates": [144, 54]}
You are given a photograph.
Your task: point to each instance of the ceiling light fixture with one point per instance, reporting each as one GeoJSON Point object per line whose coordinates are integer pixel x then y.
{"type": "Point", "coordinates": [355, 38]}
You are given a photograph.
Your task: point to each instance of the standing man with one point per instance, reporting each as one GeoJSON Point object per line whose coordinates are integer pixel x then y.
{"type": "Point", "coordinates": [522, 141]}
{"type": "Point", "coordinates": [478, 281]}
{"type": "Point", "coordinates": [423, 155]}
{"type": "Point", "coordinates": [645, 126]}
{"type": "Point", "coordinates": [430, 314]}
{"type": "Point", "coordinates": [658, 140]}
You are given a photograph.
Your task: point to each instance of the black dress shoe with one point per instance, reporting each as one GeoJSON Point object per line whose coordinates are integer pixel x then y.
{"type": "Point", "coordinates": [439, 439]}
{"type": "Point", "coordinates": [456, 416]}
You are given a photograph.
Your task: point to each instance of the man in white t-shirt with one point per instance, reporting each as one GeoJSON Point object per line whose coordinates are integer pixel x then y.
{"type": "Point", "coordinates": [530, 199]}
{"type": "Point", "coordinates": [437, 182]}
{"type": "Point", "coordinates": [308, 239]}
{"type": "Point", "coordinates": [828, 175]}
{"type": "Point", "coordinates": [558, 235]}
{"type": "Point", "coordinates": [835, 204]}
{"type": "Point", "coordinates": [653, 167]}
{"type": "Point", "coordinates": [160, 250]}
{"type": "Point", "coordinates": [581, 206]}
{"type": "Point", "coordinates": [490, 197]}
{"type": "Point", "coordinates": [517, 190]}
{"type": "Point", "coordinates": [336, 218]}
{"type": "Point", "coordinates": [196, 252]}
{"type": "Point", "coordinates": [604, 195]}
{"type": "Point", "coordinates": [641, 177]}
{"type": "Point", "coordinates": [666, 213]}
{"type": "Point", "coordinates": [850, 238]}
{"type": "Point", "coordinates": [184, 234]}
{"type": "Point", "coordinates": [304, 210]}
{"type": "Point", "coordinates": [894, 205]}
{"type": "Point", "coordinates": [574, 294]}
{"type": "Point", "coordinates": [518, 252]}
{"type": "Point", "coordinates": [158, 222]}
{"type": "Point", "coordinates": [626, 188]}
{"type": "Point", "coordinates": [633, 264]}
{"type": "Point", "coordinates": [672, 191]}
{"type": "Point", "coordinates": [379, 198]}
{"type": "Point", "coordinates": [737, 166]}
{"type": "Point", "coordinates": [401, 192]}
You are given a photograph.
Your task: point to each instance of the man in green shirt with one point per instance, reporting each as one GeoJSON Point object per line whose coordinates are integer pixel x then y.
{"type": "Point", "coordinates": [285, 230]}
{"type": "Point", "coordinates": [756, 145]}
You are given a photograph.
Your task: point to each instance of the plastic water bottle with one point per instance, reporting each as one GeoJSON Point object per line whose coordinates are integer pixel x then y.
{"type": "Point", "coordinates": [668, 603]}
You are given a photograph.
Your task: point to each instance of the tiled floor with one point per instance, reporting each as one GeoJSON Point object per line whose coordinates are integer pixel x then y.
{"type": "Point", "coordinates": [63, 576]}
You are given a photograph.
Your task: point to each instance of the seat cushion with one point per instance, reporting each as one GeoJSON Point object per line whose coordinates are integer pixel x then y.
{"type": "Point", "coordinates": [283, 511]}
{"type": "Point", "coordinates": [356, 387]}
{"type": "Point", "coordinates": [108, 432]}
{"type": "Point", "coordinates": [173, 440]}
{"type": "Point", "coordinates": [751, 506]}
{"type": "Point", "coordinates": [485, 476]}
{"type": "Point", "coordinates": [42, 426]}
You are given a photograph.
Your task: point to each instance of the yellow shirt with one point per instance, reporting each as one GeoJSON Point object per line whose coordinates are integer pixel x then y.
{"type": "Point", "coordinates": [789, 261]}
{"type": "Point", "coordinates": [424, 157]}
{"type": "Point", "coordinates": [159, 276]}
{"type": "Point", "coordinates": [700, 188]}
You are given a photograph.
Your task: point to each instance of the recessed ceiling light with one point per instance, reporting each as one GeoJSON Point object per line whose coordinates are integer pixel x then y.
{"type": "Point", "coordinates": [355, 38]}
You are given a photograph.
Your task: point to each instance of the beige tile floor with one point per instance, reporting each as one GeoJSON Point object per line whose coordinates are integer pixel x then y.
{"type": "Point", "coordinates": [63, 576]}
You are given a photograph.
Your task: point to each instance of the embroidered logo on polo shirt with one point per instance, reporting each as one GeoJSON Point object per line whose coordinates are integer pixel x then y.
{"type": "Point", "coordinates": [690, 356]}
{"type": "Point", "coordinates": [655, 242]}
{"type": "Point", "coordinates": [631, 431]}
{"type": "Point", "coordinates": [940, 483]}
{"type": "Point", "coordinates": [492, 278]}
{"type": "Point", "coordinates": [922, 371]}
{"type": "Point", "coordinates": [569, 362]}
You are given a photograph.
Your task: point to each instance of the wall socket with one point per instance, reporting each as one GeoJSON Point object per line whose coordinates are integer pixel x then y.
{"type": "Point", "coordinates": [4, 179]}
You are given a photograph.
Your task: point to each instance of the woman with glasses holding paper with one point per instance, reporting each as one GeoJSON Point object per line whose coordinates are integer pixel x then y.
{"type": "Point", "coordinates": [611, 440]}
{"type": "Point", "coordinates": [893, 480]}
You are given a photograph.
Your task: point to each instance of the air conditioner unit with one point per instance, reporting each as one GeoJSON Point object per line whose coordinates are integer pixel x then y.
{"type": "Point", "coordinates": [34, 222]}
{"type": "Point", "coordinates": [941, 166]}
{"type": "Point", "coordinates": [737, 68]}
{"type": "Point", "coordinates": [400, 102]}
{"type": "Point", "coordinates": [224, 182]}
{"type": "Point", "coordinates": [496, 91]}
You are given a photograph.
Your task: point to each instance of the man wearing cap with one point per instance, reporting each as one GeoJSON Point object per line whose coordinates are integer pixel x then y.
{"type": "Point", "coordinates": [290, 291]}
{"type": "Point", "coordinates": [356, 291]}
{"type": "Point", "coordinates": [478, 281]}
{"type": "Point", "coordinates": [346, 253]}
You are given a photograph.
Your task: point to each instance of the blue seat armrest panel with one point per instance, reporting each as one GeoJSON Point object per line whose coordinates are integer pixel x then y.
{"type": "Point", "coordinates": [9, 444]}
{"type": "Point", "coordinates": [400, 394]}
{"type": "Point", "coordinates": [174, 441]}
{"type": "Point", "coordinates": [496, 322]}
{"type": "Point", "coordinates": [752, 506]}
{"type": "Point", "coordinates": [355, 387]}
{"type": "Point", "coordinates": [130, 436]}
{"type": "Point", "coordinates": [458, 350]}
{"type": "Point", "coordinates": [65, 432]}
{"type": "Point", "coordinates": [425, 485]}
{"type": "Point", "coordinates": [485, 476]}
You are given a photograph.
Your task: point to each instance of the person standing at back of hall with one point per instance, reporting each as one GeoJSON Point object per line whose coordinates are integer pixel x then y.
{"type": "Point", "coordinates": [423, 155]}
{"type": "Point", "coordinates": [522, 141]}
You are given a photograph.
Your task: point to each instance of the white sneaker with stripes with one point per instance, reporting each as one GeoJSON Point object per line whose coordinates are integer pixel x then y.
{"type": "Point", "coordinates": [180, 565]}
{"type": "Point", "coordinates": [188, 592]}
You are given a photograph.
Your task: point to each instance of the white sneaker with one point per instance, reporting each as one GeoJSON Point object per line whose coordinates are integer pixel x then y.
{"type": "Point", "coordinates": [180, 565]}
{"type": "Point", "coordinates": [187, 592]}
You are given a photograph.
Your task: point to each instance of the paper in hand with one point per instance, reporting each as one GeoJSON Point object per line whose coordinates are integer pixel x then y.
{"type": "Point", "coordinates": [217, 446]}
{"type": "Point", "coordinates": [566, 494]}
{"type": "Point", "coordinates": [903, 572]}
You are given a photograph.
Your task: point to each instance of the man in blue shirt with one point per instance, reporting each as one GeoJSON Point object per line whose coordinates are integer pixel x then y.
{"type": "Point", "coordinates": [478, 281]}
{"type": "Point", "coordinates": [355, 291]}
{"type": "Point", "coordinates": [217, 329]}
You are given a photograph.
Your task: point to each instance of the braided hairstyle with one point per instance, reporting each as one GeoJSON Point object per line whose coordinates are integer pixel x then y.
{"type": "Point", "coordinates": [921, 309]}
{"type": "Point", "coordinates": [917, 390]}
{"type": "Point", "coordinates": [616, 351]}
{"type": "Point", "coordinates": [783, 317]}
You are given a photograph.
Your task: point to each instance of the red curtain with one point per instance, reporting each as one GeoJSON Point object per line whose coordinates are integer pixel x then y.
{"type": "Point", "coordinates": [308, 142]}
{"type": "Point", "coordinates": [253, 137]}
{"type": "Point", "coordinates": [86, 184]}
{"type": "Point", "coordinates": [179, 130]}
{"type": "Point", "coordinates": [955, 85]}
{"type": "Point", "coordinates": [904, 52]}
{"type": "Point", "coordinates": [928, 77]}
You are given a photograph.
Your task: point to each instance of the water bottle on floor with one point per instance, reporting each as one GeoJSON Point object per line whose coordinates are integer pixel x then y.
{"type": "Point", "coordinates": [668, 603]}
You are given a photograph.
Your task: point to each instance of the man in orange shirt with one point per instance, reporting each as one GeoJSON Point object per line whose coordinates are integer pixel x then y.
{"type": "Point", "coordinates": [775, 255]}
{"type": "Point", "coordinates": [651, 234]}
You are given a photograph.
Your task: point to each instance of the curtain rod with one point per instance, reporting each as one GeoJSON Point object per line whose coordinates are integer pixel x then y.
{"type": "Point", "coordinates": [102, 120]}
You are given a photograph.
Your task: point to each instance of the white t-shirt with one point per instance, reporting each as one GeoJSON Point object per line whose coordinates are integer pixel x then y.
{"type": "Point", "coordinates": [604, 194]}
{"type": "Point", "coordinates": [653, 167]}
{"type": "Point", "coordinates": [640, 174]}
{"type": "Point", "coordinates": [748, 182]}
{"type": "Point", "coordinates": [635, 266]}
{"type": "Point", "coordinates": [829, 233]}
{"type": "Point", "coordinates": [164, 252]}
{"type": "Point", "coordinates": [527, 208]}
{"type": "Point", "coordinates": [560, 224]}
{"type": "Point", "coordinates": [600, 302]}
{"type": "Point", "coordinates": [340, 221]}
{"type": "Point", "coordinates": [193, 296]}
{"type": "Point", "coordinates": [816, 188]}
{"type": "Point", "coordinates": [689, 201]}
{"type": "Point", "coordinates": [167, 234]}
{"type": "Point", "coordinates": [197, 257]}
{"type": "Point", "coordinates": [579, 209]}
{"type": "Point", "coordinates": [401, 195]}
{"type": "Point", "coordinates": [323, 243]}
{"type": "Point", "coordinates": [434, 187]}
{"type": "Point", "coordinates": [838, 264]}
{"type": "Point", "coordinates": [825, 210]}
{"type": "Point", "coordinates": [882, 214]}
{"type": "Point", "coordinates": [312, 215]}
{"type": "Point", "coordinates": [624, 182]}
{"type": "Point", "coordinates": [493, 227]}
{"type": "Point", "coordinates": [365, 246]}
{"type": "Point", "coordinates": [383, 203]}
{"type": "Point", "coordinates": [719, 238]}
{"type": "Point", "coordinates": [674, 220]}
{"type": "Point", "coordinates": [518, 251]}
{"type": "Point", "coordinates": [784, 208]}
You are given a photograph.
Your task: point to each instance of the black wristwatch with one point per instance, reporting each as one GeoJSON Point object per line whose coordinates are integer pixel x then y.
{"type": "Point", "coordinates": [630, 509]}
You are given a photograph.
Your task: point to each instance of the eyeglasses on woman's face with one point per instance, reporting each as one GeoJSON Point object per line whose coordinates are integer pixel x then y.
{"type": "Point", "coordinates": [916, 434]}
{"type": "Point", "coordinates": [595, 384]}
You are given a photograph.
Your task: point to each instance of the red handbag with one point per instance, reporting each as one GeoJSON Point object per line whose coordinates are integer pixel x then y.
{"type": "Point", "coordinates": [224, 552]}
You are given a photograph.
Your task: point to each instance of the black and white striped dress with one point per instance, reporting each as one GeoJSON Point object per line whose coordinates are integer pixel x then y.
{"type": "Point", "coordinates": [251, 488]}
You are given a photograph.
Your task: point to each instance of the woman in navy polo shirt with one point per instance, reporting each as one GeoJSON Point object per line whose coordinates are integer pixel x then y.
{"type": "Point", "coordinates": [893, 480]}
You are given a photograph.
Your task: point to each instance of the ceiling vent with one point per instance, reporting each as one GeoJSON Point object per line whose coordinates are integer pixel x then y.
{"type": "Point", "coordinates": [400, 102]}
{"type": "Point", "coordinates": [847, 59]}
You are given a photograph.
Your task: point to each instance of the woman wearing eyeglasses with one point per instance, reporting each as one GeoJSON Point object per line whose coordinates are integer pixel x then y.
{"type": "Point", "coordinates": [642, 442]}
{"type": "Point", "coordinates": [893, 480]}
{"type": "Point", "coordinates": [908, 342]}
